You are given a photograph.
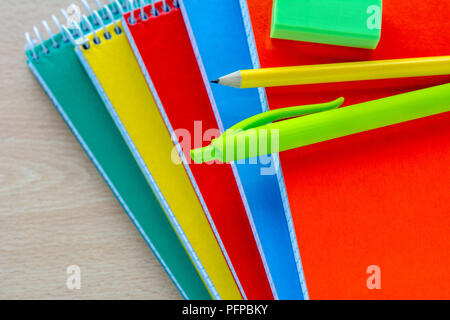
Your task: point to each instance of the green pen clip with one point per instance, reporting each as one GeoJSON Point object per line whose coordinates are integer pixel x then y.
{"type": "Point", "coordinates": [210, 153]}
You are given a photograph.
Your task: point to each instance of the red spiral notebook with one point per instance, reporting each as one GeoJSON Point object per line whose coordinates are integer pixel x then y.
{"type": "Point", "coordinates": [378, 198]}
{"type": "Point", "coordinates": [163, 47]}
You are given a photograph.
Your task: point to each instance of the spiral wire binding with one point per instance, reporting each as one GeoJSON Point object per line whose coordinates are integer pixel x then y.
{"type": "Point", "coordinates": [110, 14]}
{"type": "Point", "coordinates": [69, 35]}
{"type": "Point", "coordinates": [84, 26]}
{"type": "Point", "coordinates": [77, 32]}
{"type": "Point", "coordinates": [61, 30]}
{"type": "Point", "coordinates": [124, 6]}
{"type": "Point", "coordinates": [41, 40]}
{"type": "Point", "coordinates": [91, 29]}
{"type": "Point", "coordinates": [114, 9]}
{"type": "Point", "coordinates": [165, 6]}
{"type": "Point", "coordinates": [31, 46]}
{"type": "Point", "coordinates": [132, 18]}
{"type": "Point", "coordinates": [84, 40]}
{"type": "Point", "coordinates": [142, 15]}
{"type": "Point", "coordinates": [120, 7]}
{"type": "Point", "coordinates": [100, 9]}
{"type": "Point", "coordinates": [50, 34]}
{"type": "Point", "coordinates": [134, 5]}
{"type": "Point", "coordinates": [90, 12]}
{"type": "Point", "coordinates": [106, 33]}
{"type": "Point", "coordinates": [91, 23]}
{"type": "Point", "coordinates": [154, 11]}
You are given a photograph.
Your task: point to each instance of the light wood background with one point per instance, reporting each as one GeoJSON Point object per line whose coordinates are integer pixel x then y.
{"type": "Point", "coordinates": [55, 209]}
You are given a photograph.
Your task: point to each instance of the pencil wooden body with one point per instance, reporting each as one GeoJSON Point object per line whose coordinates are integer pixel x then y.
{"type": "Point", "coordinates": [339, 72]}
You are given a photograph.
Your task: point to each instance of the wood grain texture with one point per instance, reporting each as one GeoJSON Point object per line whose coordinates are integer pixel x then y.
{"type": "Point", "coordinates": [55, 209]}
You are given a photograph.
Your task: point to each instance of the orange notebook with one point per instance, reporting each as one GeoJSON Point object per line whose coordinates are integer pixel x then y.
{"type": "Point", "coordinates": [380, 198]}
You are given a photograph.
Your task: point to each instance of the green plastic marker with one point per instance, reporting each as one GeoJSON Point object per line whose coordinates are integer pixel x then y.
{"type": "Point", "coordinates": [259, 135]}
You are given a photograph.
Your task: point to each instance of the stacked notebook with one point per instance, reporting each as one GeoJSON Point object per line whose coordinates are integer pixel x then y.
{"type": "Point", "coordinates": [131, 80]}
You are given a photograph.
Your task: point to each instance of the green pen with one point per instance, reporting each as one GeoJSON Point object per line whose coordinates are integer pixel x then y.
{"type": "Point", "coordinates": [260, 135]}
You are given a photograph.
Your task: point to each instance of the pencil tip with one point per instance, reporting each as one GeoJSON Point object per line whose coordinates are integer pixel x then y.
{"type": "Point", "coordinates": [215, 81]}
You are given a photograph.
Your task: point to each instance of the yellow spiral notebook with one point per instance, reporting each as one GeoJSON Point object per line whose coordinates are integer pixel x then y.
{"type": "Point", "coordinates": [112, 67]}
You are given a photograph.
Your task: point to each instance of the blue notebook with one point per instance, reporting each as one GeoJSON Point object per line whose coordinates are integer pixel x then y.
{"type": "Point", "coordinates": [222, 35]}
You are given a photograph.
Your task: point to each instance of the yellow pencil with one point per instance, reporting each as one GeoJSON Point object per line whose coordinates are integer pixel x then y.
{"type": "Point", "coordinates": [337, 72]}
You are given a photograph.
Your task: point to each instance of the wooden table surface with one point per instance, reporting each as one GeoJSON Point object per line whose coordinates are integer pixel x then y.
{"type": "Point", "coordinates": [55, 209]}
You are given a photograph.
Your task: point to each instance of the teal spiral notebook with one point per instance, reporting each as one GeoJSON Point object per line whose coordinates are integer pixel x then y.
{"type": "Point", "coordinates": [58, 70]}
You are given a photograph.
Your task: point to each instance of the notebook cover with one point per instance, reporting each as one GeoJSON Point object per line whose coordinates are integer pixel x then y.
{"type": "Point", "coordinates": [69, 88]}
{"type": "Point", "coordinates": [377, 198]}
{"type": "Point", "coordinates": [163, 45]}
{"type": "Point", "coordinates": [134, 111]}
{"type": "Point", "coordinates": [220, 36]}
